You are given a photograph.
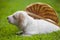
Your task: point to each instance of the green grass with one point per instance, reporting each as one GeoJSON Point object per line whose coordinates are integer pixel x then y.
{"type": "Point", "coordinates": [7, 31]}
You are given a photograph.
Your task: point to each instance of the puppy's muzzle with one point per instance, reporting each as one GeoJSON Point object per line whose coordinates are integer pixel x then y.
{"type": "Point", "coordinates": [8, 19]}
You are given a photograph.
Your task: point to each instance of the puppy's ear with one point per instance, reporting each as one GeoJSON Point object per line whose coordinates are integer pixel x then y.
{"type": "Point", "coordinates": [20, 18]}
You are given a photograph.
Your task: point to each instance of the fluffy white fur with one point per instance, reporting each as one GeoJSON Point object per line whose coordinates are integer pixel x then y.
{"type": "Point", "coordinates": [31, 26]}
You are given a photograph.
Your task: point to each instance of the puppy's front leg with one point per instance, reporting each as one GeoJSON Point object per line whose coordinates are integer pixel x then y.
{"type": "Point", "coordinates": [19, 33]}
{"type": "Point", "coordinates": [22, 34]}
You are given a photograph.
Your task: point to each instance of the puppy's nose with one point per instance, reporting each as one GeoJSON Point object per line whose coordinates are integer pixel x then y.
{"type": "Point", "coordinates": [7, 17]}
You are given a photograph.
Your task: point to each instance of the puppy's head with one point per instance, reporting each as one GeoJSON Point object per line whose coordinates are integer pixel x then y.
{"type": "Point", "coordinates": [17, 18]}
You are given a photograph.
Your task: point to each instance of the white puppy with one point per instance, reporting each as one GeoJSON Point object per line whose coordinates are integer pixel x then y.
{"type": "Point", "coordinates": [30, 25]}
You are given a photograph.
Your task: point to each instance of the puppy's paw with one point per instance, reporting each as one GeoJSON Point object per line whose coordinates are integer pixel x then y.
{"type": "Point", "coordinates": [19, 33]}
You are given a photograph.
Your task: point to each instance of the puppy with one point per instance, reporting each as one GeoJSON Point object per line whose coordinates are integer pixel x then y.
{"type": "Point", "coordinates": [29, 25]}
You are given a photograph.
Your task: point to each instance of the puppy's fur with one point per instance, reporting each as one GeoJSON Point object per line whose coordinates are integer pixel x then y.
{"type": "Point", "coordinates": [31, 26]}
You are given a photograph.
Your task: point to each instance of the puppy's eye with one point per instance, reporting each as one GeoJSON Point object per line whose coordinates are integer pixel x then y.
{"type": "Point", "coordinates": [14, 17]}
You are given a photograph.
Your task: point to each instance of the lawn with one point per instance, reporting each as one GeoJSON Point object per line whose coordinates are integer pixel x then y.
{"type": "Point", "coordinates": [7, 31]}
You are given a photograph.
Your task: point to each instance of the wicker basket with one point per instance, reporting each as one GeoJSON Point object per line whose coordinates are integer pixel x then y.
{"type": "Point", "coordinates": [42, 11]}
